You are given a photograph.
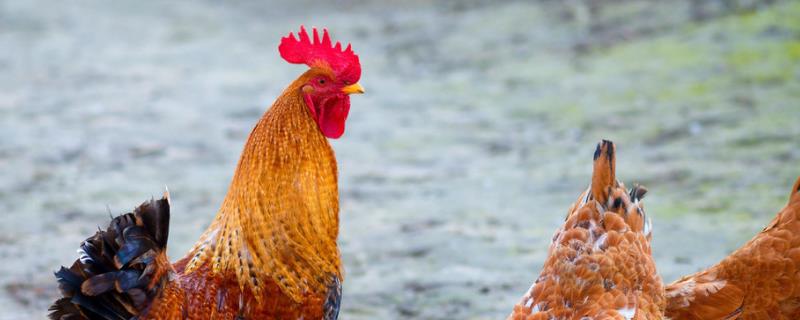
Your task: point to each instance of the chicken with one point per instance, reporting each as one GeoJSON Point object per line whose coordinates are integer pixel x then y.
{"type": "Point", "coordinates": [271, 251]}
{"type": "Point", "coordinates": [599, 264]}
{"type": "Point", "coordinates": [760, 280]}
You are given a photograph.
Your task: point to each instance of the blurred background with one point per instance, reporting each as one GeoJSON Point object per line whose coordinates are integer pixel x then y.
{"type": "Point", "coordinates": [474, 137]}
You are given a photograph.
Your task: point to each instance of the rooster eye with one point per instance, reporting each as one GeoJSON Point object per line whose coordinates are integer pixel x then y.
{"type": "Point", "coordinates": [321, 81]}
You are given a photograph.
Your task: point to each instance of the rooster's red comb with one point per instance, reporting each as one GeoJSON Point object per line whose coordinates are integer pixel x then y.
{"type": "Point", "coordinates": [343, 63]}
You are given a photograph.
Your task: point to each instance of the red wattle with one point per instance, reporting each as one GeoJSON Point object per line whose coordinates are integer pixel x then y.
{"type": "Point", "coordinates": [333, 116]}
{"type": "Point", "coordinates": [330, 114]}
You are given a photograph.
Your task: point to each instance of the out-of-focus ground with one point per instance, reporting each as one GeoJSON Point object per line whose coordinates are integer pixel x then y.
{"type": "Point", "coordinates": [475, 136]}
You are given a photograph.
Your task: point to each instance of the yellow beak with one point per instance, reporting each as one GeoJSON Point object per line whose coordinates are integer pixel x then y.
{"type": "Point", "coordinates": [353, 88]}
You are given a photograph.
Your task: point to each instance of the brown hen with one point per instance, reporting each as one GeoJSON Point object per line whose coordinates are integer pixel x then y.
{"type": "Point", "coordinates": [599, 264]}
{"type": "Point", "coordinates": [760, 280]}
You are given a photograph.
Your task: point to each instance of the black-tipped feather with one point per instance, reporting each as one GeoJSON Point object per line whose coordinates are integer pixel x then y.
{"type": "Point", "coordinates": [112, 278]}
{"type": "Point", "coordinates": [158, 225]}
{"type": "Point", "coordinates": [64, 309]}
{"type": "Point", "coordinates": [637, 192]}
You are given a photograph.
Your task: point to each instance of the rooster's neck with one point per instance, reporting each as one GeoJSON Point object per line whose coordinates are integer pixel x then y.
{"type": "Point", "coordinates": [280, 219]}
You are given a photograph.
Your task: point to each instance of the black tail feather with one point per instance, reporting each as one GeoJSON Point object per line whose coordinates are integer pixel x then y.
{"type": "Point", "coordinates": [64, 309]}
{"type": "Point", "coordinates": [114, 277]}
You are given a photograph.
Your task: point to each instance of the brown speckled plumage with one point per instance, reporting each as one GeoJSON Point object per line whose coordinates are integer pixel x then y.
{"type": "Point", "coordinates": [599, 264]}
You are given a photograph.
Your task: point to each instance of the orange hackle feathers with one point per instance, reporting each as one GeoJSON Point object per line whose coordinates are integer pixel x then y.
{"type": "Point", "coordinates": [279, 220]}
{"type": "Point", "coordinates": [599, 264]}
{"type": "Point", "coordinates": [760, 280]}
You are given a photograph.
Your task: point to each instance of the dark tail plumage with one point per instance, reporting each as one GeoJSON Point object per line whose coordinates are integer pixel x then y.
{"type": "Point", "coordinates": [120, 269]}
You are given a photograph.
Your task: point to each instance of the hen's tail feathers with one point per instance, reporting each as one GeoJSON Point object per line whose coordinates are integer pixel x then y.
{"type": "Point", "coordinates": [120, 270]}
{"type": "Point", "coordinates": [604, 173]}
{"type": "Point", "coordinates": [611, 194]}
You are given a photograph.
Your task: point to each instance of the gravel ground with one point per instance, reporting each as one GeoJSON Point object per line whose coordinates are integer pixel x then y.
{"type": "Point", "coordinates": [474, 137]}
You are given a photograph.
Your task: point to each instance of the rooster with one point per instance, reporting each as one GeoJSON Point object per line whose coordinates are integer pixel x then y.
{"type": "Point", "coordinates": [599, 264]}
{"type": "Point", "coordinates": [271, 251]}
{"type": "Point", "coordinates": [760, 280]}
